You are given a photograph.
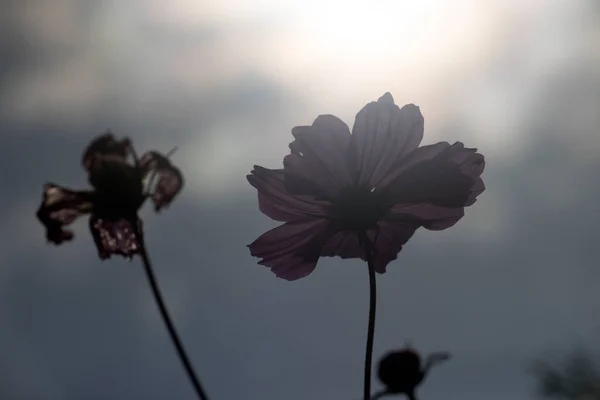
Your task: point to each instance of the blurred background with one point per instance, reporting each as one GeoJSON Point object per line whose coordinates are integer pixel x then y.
{"type": "Point", "coordinates": [226, 80]}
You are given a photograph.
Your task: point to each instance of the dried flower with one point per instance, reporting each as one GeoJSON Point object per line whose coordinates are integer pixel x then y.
{"type": "Point", "coordinates": [121, 183]}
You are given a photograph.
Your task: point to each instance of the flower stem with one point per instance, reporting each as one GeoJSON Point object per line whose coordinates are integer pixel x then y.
{"type": "Point", "coordinates": [372, 308]}
{"type": "Point", "coordinates": [168, 322]}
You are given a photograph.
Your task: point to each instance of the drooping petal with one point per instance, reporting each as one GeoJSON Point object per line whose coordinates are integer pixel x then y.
{"type": "Point", "coordinates": [382, 134]}
{"type": "Point", "coordinates": [119, 236]}
{"type": "Point", "coordinates": [292, 249]}
{"type": "Point", "coordinates": [169, 178]}
{"type": "Point", "coordinates": [448, 179]}
{"type": "Point", "coordinates": [275, 201]}
{"type": "Point", "coordinates": [346, 244]}
{"type": "Point", "coordinates": [317, 165]}
{"type": "Point", "coordinates": [432, 217]}
{"type": "Point", "coordinates": [474, 167]}
{"type": "Point", "coordinates": [471, 164]}
{"type": "Point", "coordinates": [61, 207]}
{"type": "Point", "coordinates": [390, 239]}
{"type": "Point", "coordinates": [477, 188]}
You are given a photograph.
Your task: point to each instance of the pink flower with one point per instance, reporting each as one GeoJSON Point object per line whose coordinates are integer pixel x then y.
{"type": "Point", "coordinates": [120, 183]}
{"type": "Point", "coordinates": [376, 183]}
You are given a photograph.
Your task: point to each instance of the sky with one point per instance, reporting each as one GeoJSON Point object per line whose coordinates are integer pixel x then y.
{"type": "Point", "coordinates": [226, 81]}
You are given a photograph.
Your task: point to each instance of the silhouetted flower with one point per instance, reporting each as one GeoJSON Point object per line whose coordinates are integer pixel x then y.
{"type": "Point", "coordinates": [337, 188]}
{"type": "Point", "coordinates": [401, 371]}
{"type": "Point", "coordinates": [121, 182]}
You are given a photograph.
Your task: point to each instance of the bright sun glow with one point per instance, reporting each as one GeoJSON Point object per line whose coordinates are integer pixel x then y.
{"type": "Point", "coordinates": [343, 39]}
{"type": "Point", "coordinates": [370, 29]}
{"type": "Point", "coordinates": [340, 54]}
{"type": "Point", "coordinates": [373, 35]}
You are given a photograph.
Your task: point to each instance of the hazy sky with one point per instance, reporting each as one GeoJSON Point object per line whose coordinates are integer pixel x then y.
{"type": "Point", "coordinates": [226, 82]}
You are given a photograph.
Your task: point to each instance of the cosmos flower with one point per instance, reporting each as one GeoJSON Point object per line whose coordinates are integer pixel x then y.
{"type": "Point", "coordinates": [339, 193]}
{"type": "Point", "coordinates": [120, 182]}
{"type": "Point", "coordinates": [401, 372]}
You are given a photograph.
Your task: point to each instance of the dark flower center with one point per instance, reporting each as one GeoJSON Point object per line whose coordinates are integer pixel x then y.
{"type": "Point", "coordinates": [120, 190]}
{"type": "Point", "coordinates": [357, 208]}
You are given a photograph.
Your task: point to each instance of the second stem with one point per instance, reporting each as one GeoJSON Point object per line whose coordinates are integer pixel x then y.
{"type": "Point", "coordinates": [371, 329]}
{"type": "Point", "coordinates": [168, 322]}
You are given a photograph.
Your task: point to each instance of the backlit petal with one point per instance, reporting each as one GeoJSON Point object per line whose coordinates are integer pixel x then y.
{"type": "Point", "coordinates": [317, 165]}
{"type": "Point", "coordinates": [474, 168]}
{"type": "Point", "coordinates": [346, 244]}
{"type": "Point", "coordinates": [448, 179]}
{"type": "Point", "coordinates": [429, 216]}
{"type": "Point", "coordinates": [292, 249]}
{"type": "Point", "coordinates": [382, 134]}
{"type": "Point", "coordinates": [61, 207]}
{"type": "Point", "coordinates": [391, 238]}
{"type": "Point", "coordinates": [169, 180]}
{"type": "Point", "coordinates": [420, 154]}
{"type": "Point", "coordinates": [477, 188]}
{"type": "Point", "coordinates": [115, 236]}
{"type": "Point", "coordinates": [275, 201]}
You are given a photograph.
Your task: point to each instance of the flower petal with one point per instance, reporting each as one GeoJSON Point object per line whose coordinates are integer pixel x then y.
{"type": "Point", "coordinates": [61, 207]}
{"type": "Point", "coordinates": [382, 134]}
{"type": "Point", "coordinates": [115, 236]}
{"type": "Point", "coordinates": [346, 244]}
{"type": "Point", "coordinates": [449, 178]}
{"type": "Point", "coordinates": [432, 217]}
{"type": "Point", "coordinates": [317, 165]}
{"type": "Point", "coordinates": [474, 167]}
{"type": "Point", "coordinates": [170, 179]}
{"type": "Point", "coordinates": [391, 237]}
{"type": "Point", "coordinates": [292, 249]}
{"type": "Point", "coordinates": [477, 188]}
{"type": "Point", "coordinates": [274, 200]}
{"type": "Point", "coordinates": [420, 154]}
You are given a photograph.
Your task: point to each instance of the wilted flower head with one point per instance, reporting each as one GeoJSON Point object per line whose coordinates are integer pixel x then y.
{"type": "Point", "coordinates": [121, 183]}
{"type": "Point", "coordinates": [338, 190]}
{"type": "Point", "coordinates": [401, 371]}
